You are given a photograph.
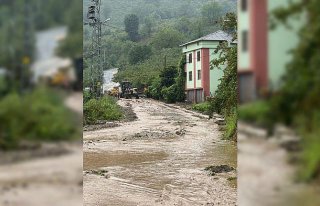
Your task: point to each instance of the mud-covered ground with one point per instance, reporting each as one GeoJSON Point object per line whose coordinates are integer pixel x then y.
{"type": "Point", "coordinates": [158, 159]}
{"type": "Point", "coordinates": [265, 175]}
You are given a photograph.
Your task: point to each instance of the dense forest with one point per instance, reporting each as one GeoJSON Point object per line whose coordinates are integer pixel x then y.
{"type": "Point", "coordinates": [143, 36]}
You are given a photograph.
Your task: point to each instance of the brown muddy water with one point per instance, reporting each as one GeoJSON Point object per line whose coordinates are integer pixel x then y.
{"type": "Point", "coordinates": [157, 169]}
{"type": "Point", "coordinates": [159, 159]}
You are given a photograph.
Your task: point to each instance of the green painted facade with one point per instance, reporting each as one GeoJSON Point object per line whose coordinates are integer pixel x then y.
{"type": "Point", "coordinates": [280, 42]}
{"type": "Point", "coordinates": [215, 74]}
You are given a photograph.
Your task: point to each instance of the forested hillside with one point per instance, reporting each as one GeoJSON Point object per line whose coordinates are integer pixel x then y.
{"type": "Point", "coordinates": [143, 36]}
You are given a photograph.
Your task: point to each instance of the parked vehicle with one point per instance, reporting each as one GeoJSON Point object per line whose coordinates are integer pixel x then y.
{"type": "Point", "coordinates": [126, 90]}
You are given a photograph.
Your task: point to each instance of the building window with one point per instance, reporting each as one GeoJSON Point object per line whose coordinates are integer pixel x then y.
{"type": "Point", "coordinates": [244, 40]}
{"type": "Point", "coordinates": [244, 5]}
{"type": "Point", "coordinates": [190, 58]}
{"type": "Point", "coordinates": [198, 56]}
{"type": "Point", "coordinates": [199, 74]}
{"type": "Point", "coordinates": [190, 76]}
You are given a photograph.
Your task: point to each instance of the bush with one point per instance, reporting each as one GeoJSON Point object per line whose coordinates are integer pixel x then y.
{"type": "Point", "coordinates": [169, 94]}
{"type": "Point", "coordinates": [310, 161]}
{"type": "Point", "coordinates": [257, 112]}
{"type": "Point", "coordinates": [203, 107]}
{"type": "Point", "coordinates": [154, 91]}
{"type": "Point", "coordinates": [231, 127]}
{"type": "Point", "coordinates": [87, 96]}
{"type": "Point", "coordinates": [37, 116]}
{"type": "Point", "coordinates": [104, 109]}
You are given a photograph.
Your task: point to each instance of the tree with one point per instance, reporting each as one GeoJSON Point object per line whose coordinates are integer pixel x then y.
{"type": "Point", "coordinates": [139, 53]}
{"type": "Point", "coordinates": [147, 28]}
{"type": "Point", "coordinates": [212, 12]}
{"type": "Point", "coordinates": [168, 75]}
{"type": "Point", "coordinates": [181, 81]}
{"type": "Point", "coordinates": [72, 46]}
{"type": "Point", "coordinates": [131, 23]}
{"type": "Point", "coordinates": [225, 98]}
{"type": "Point", "coordinates": [167, 38]}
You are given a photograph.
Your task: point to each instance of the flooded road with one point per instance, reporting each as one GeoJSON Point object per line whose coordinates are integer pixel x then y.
{"type": "Point", "coordinates": [158, 159]}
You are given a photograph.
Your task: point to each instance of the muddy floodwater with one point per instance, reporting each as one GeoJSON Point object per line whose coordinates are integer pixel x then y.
{"type": "Point", "coordinates": [159, 159]}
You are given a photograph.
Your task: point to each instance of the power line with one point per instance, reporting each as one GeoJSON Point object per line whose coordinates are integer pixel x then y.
{"type": "Point", "coordinates": [94, 21]}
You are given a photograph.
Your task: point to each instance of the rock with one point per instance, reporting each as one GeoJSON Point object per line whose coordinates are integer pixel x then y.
{"type": "Point", "coordinates": [251, 131]}
{"type": "Point", "coordinates": [218, 169]}
{"type": "Point", "coordinates": [292, 146]}
{"type": "Point", "coordinates": [215, 115]}
{"type": "Point", "coordinates": [181, 132]}
{"type": "Point", "coordinates": [219, 121]}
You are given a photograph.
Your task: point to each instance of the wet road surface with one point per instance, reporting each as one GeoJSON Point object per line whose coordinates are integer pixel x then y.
{"type": "Point", "coordinates": [158, 159]}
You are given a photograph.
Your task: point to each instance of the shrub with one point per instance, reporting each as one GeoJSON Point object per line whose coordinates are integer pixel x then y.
{"type": "Point", "coordinates": [169, 94]}
{"type": "Point", "coordinates": [36, 116]}
{"type": "Point", "coordinates": [230, 132]}
{"type": "Point", "coordinates": [104, 109]}
{"type": "Point", "coordinates": [310, 161]}
{"type": "Point", "coordinates": [203, 107]}
{"type": "Point", "coordinates": [154, 90]}
{"type": "Point", "coordinates": [257, 112]}
{"type": "Point", "coordinates": [86, 96]}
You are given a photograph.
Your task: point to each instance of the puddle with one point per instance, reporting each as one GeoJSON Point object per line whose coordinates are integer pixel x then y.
{"type": "Point", "coordinates": [306, 195]}
{"type": "Point", "coordinates": [96, 160]}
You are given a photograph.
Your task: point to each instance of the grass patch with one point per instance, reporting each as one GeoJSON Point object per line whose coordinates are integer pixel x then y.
{"type": "Point", "coordinates": [230, 132]}
{"type": "Point", "coordinates": [203, 107]}
{"type": "Point", "coordinates": [104, 109]}
{"type": "Point", "coordinates": [257, 113]}
{"type": "Point", "coordinates": [310, 159]}
{"type": "Point", "coordinates": [37, 116]}
{"type": "Point", "coordinates": [310, 167]}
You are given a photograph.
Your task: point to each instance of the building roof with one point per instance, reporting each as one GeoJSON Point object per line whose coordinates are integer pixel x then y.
{"type": "Point", "coordinates": [216, 36]}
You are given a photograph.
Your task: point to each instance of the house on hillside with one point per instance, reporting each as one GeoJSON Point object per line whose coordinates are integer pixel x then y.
{"type": "Point", "coordinates": [201, 82]}
{"type": "Point", "coordinates": [263, 53]}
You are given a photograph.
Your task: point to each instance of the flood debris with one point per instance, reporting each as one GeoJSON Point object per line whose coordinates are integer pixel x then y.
{"type": "Point", "coordinates": [158, 155]}
{"type": "Point", "coordinates": [181, 132]}
{"type": "Point", "coordinates": [102, 125]}
{"type": "Point", "coordinates": [129, 114]}
{"type": "Point", "coordinates": [219, 121]}
{"type": "Point", "coordinates": [155, 135]}
{"type": "Point", "coordinates": [213, 170]}
{"type": "Point", "coordinates": [101, 172]}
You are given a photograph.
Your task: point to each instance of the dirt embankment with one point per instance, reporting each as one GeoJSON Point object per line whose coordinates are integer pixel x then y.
{"type": "Point", "coordinates": [159, 159]}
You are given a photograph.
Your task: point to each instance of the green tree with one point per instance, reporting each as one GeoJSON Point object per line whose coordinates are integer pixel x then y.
{"type": "Point", "coordinates": [131, 23]}
{"type": "Point", "coordinates": [168, 75]}
{"type": "Point", "coordinates": [139, 53]}
{"type": "Point", "coordinates": [225, 98]}
{"type": "Point", "coordinates": [212, 12]}
{"type": "Point", "coordinates": [167, 38]}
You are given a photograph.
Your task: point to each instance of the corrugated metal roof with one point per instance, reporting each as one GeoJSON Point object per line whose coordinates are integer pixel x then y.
{"type": "Point", "coordinates": [216, 36]}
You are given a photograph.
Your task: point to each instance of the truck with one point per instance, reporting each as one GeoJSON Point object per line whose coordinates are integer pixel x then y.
{"type": "Point", "coordinates": [126, 90]}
